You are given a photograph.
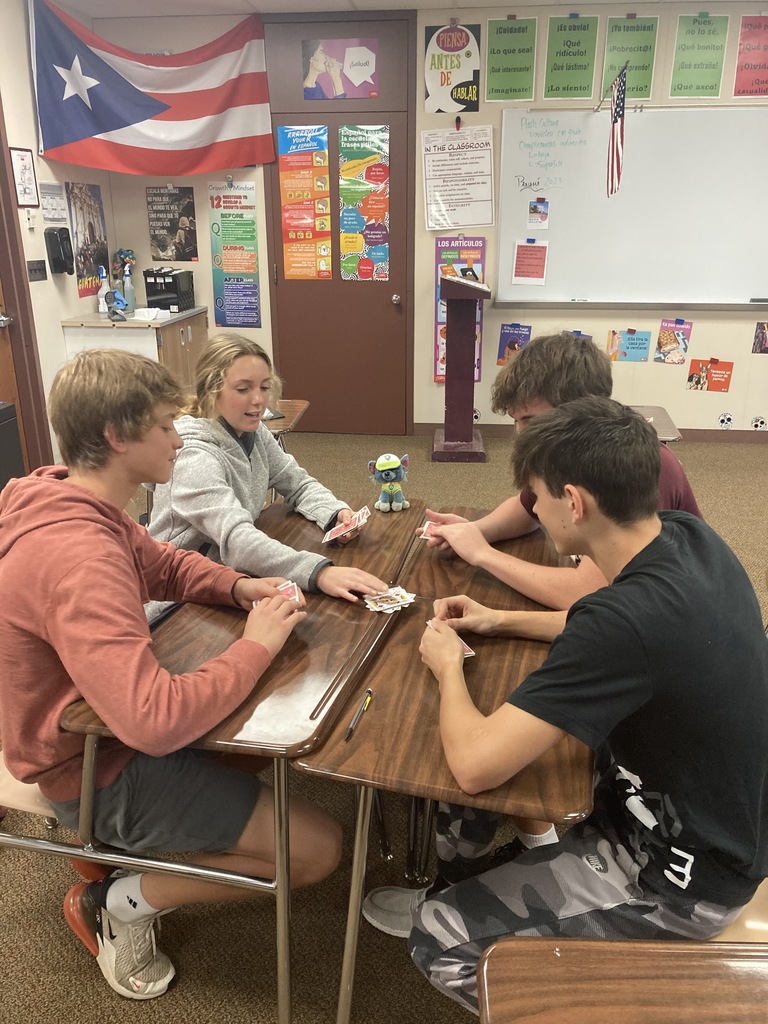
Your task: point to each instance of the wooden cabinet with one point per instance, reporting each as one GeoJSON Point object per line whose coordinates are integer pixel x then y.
{"type": "Point", "coordinates": [175, 341]}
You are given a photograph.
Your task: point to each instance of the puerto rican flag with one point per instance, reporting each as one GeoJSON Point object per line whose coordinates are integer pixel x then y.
{"type": "Point", "coordinates": [99, 105]}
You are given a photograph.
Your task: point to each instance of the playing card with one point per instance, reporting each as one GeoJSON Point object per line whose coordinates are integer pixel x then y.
{"type": "Point", "coordinates": [427, 529]}
{"type": "Point", "coordinates": [357, 521]}
{"type": "Point", "coordinates": [390, 600]}
{"type": "Point", "coordinates": [290, 589]}
{"type": "Point", "coordinates": [468, 652]}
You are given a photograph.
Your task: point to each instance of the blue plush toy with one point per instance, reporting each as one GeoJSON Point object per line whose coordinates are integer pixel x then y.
{"type": "Point", "coordinates": [389, 472]}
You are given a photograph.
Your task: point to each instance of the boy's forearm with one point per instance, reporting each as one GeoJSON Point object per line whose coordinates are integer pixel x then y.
{"type": "Point", "coordinates": [552, 586]}
{"type": "Point", "coordinates": [507, 521]}
{"type": "Point", "coordinates": [532, 625]}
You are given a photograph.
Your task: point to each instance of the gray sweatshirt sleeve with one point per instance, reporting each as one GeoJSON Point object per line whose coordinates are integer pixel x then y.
{"type": "Point", "coordinates": [302, 492]}
{"type": "Point", "coordinates": [213, 498]}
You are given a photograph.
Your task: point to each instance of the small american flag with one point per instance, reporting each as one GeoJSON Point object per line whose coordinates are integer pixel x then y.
{"type": "Point", "coordinates": [616, 143]}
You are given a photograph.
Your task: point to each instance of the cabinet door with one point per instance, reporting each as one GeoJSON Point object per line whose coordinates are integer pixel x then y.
{"type": "Point", "coordinates": [172, 350]}
{"type": "Point", "coordinates": [195, 337]}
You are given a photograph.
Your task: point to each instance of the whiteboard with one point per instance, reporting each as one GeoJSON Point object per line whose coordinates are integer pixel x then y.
{"type": "Point", "coordinates": [688, 226]}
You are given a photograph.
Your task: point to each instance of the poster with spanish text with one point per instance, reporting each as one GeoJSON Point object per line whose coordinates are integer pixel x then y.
{"type": "Point", "coordinates": [305, 201]}
{"type": "Point", "coordinates": [456, 257]}
{"type": "Point", "coordinates": [364, 198]}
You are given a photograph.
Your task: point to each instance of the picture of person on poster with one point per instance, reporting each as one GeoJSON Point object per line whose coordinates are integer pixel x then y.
{"type": "Point", "coordinates": [185, 242]}
{"type": "Point", "coordinates": [316, 62]}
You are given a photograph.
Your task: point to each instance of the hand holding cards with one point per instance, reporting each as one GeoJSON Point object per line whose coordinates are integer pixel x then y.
{"type": "Point", "coordinates": [290, 590]}
{"type": "Point", "coordinates": [468, 652]}
{"type": "Point", "coordinates": [358, 520]}
{"type": "Point", "coordinates": [428, 529]}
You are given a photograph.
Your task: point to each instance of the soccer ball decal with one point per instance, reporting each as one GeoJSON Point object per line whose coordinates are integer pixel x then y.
{"type": "Point", "coordinates": [475, 415]}
{"type": "Point", "coordinates": [760, 423]}
{"type": "Point", "coordinates": [725, 421]}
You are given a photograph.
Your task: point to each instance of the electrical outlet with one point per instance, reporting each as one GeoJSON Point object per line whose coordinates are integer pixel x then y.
{"type": "Point", "coordinates": [36, 270]}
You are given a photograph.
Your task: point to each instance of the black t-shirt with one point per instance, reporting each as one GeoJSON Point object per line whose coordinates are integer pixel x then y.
{"type": "Point", "coordinates": [669, 665]}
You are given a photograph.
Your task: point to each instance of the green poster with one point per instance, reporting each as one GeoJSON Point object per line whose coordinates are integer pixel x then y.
{"type": "Point", "coordinates": [631, 41]}
{"type": "Point", "coordinates": [570, 58]}
{"type": "Point", "coordinates": [510, 59]}
{"type": "Point", "coordinates": [699, 53]}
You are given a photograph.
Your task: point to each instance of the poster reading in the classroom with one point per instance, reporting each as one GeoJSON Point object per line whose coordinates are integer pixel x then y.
{"type": "Point", "coordinates": [629, 345]}
{"type": "Point", "coordinates": [457, 257]}
{"type": "Point", "coordinates": [697, 68]}
{"type": "Point", "coordinates": [89, 235]}
{"type": "Point", "coordinates": [364, 196]}
{"type": "Point", "coordinates": [530, 262]}
{"type": "Point", "coordinates": [458, 177]}
{"type": "Point", "coordinates": [172, 223]}
{"type": "Point", "coordinates": [510, 60]}
{"type": "Point", "coordinates": [760, 343]}
{"type": "Point", "coordinates": [709, 375]}
{"type": "Point", "coordinates": [512, 338]}
{"type": "Point", "coordinates": [631, 41]}
{"type": "Point", "coordinates": [673, 341]}
{"type": "Point", "coordinates": [340, 69]}
{"type": "Point", "coordinates": [305, 203]}
{"type": "Point", "coordinates": [234, 253]}
{"type": "Point", "coordinates": [752, 61]}
{"type": "Point", "coordinates": [571, 48]}
{"type": "Point", "coordinates": [452, 69]}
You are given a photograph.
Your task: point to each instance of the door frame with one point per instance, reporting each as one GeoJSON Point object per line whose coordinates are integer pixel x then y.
{"type": "Point", "coordinates": [272, 183]}
{"type": "Point", "coordinates": [36, 441]}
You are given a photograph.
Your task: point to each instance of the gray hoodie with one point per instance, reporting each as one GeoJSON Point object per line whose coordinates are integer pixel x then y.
{"type": "Point", "coordinates": [217, 492]}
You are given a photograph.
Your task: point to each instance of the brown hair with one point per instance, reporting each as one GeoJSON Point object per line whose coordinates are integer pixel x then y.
{"type": "Point", "coordinates": [218, 354]}
{"type": "Point", "coordinates": [103, 389]}
{"type": "Point", "coordinates": [556, 368]}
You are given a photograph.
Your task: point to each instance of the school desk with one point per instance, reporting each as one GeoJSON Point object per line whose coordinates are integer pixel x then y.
{"type": "Point", "coordinates": [292, 410]}
{"type": "Point", "coordinates": [297, 700]}
{"type": "Point", "coordinates": [547, 980]}
{"type": "Point", "coordinates": [396, 745]}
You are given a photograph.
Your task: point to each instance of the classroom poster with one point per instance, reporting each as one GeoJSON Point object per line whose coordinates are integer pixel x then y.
{"type": "Point", "coordinates": [458, 177]}
{"type": "Point", "coordinates": [530, 262]}
{"type": "Point", "coordinates": [510, 59]}
{"type": "Point", "coordinates": [172, 223]}
{"type": "Point", "coordinates": [52, 201]}
{"type": "Point", "coordinates": [760, 343]}
{"type": "Point", "coordinates": [305, 203]}
{"type": "Point", "coordinates": [709, 375]}
{"type": "Point", "coordinates": [697, 68]}
{"type": "Point", "coordinates": [752, 60]}
{"type": "Point", "coordinates": [340, 69]}
{"type": "Point", "coordinates": [629, 346]}
{"type": "Point", "coordinates": [571, 48]}
{"type": "Point", "coordinates": [452, 69]}
{"type": "Point", "coordinates": [512, 337]}
{"type": "Point", "coordinates": [673, 341]}
{"type": "Point", "coordinates": [364, 195]}
{"type": "Point", "coordinates": [631, 41]}
{"type": "Point", "coordinates": [234, 253]}
{"type": "Point", "coordinates": [457, 257]}
{"type": "Point", "coordinates": [89, 235]}
{"type": "Point", "coordinates": [538, 213]}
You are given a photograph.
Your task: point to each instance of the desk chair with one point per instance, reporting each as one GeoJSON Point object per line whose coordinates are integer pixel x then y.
{"type": "Point", "coordinates": [600, 981]}
{"type": "Point", "coordinates": [21, 796]}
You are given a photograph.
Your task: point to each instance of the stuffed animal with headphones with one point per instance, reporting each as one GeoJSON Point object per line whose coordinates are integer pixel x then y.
{"type": "Point", "coordinates": [389, 472]}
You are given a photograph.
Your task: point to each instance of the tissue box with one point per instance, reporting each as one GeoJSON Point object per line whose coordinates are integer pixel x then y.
{"type": "Point", "coordinates": [170, 289]}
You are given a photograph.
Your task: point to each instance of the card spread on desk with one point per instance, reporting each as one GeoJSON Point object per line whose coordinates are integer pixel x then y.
{"type": "Point", "coordinates": [389, 601]}
{"type": "Point", "coordinates": [358, 520]}
{"type": "Point", "coordinates": [290, 590]}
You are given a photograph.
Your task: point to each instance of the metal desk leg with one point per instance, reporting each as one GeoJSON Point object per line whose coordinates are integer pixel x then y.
{"type": "Point", "coordinates": [414, 808]}
{"type": "Point", "coordinates": [364, 805]}
{"type": "Point", "coordinates": [427, 823]}
{"type": "Point", "coordinates": [282, 892]}
{"type": "Point", "coordinates": [381, 824]}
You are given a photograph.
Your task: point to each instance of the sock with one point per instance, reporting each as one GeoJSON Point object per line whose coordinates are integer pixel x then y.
{"type": "Point", "coordinates": [125, 899]}
{"type": "Point", "coordinates": [530, 841]}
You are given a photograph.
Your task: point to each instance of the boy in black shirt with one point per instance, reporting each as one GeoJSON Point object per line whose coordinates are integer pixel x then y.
{"type": "Point", "coordinates": [669, 669]}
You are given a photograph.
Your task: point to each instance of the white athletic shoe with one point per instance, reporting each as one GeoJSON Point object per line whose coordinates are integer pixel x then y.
{"type": "Point", "coordinates": [391, 909]}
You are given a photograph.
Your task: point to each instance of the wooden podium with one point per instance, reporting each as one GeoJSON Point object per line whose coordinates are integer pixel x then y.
{"type": "Point", "coordinates": [459, 441]}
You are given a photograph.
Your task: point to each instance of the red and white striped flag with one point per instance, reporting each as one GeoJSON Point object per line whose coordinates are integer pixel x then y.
{"type": "Point", "coordinates": [616, 143]}
{"type": "Point", "coordinates": [100, 105]}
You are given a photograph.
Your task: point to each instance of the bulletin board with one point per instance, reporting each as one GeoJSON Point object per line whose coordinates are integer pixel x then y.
{"type": "Point", "coordinates": [688, 226]}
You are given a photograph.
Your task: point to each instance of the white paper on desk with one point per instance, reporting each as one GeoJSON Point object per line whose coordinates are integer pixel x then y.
{"type": "Point", "coordinates": [148, 313]}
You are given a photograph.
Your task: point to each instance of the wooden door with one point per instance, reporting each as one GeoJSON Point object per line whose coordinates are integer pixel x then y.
{"type": "Point", "coordinates": [9, 391]}
{"type": "Point", "coordinates": [347, 345]}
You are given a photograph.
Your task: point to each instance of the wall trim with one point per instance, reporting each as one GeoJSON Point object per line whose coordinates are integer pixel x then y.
{"type": "Point", "coordinates": [697, 436]}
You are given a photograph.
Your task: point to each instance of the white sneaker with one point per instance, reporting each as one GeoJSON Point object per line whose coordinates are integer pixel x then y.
{"type": "Point", "coordinates": [391, 909]}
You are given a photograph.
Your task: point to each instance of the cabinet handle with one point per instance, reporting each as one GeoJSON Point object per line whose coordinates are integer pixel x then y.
{"type": "Point", "coordinates": [181, 336]}
{"type": "Point", "coordinates": [189, 334]}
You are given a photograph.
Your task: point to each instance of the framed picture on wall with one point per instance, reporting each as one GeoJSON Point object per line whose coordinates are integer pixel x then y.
{"type": "Point", "coordinates": [24, 177]}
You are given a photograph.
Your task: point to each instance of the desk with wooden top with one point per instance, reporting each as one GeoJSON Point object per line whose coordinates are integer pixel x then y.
{"type": "Point", "coordinates": [545, 980]}
{"type": "Point", "coordinates": [292, 410]}
{"type": "Point", "coordinates": [296, 701]}
{"type": "Point", "coordinates": [397, 745]}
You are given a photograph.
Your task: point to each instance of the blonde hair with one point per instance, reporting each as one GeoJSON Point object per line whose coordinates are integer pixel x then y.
{"type": "Point", "coordinates": [218, 354]}
{"type": "Point", "coordinates": [105, 389]}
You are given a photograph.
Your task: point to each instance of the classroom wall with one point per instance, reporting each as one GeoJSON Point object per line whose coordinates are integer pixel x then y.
{"type": "Point", "coordinates": [726, 334]}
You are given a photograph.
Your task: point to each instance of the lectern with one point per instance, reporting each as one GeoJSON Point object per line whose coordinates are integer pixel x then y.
{"type": "Point", "coordinates": [459, 441]}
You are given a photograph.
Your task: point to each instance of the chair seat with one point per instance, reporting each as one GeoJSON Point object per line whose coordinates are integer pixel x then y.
{"type": "Point", "coordinates": [752, 923]}
{"type": "Point", "coordinates": [22, 796]}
